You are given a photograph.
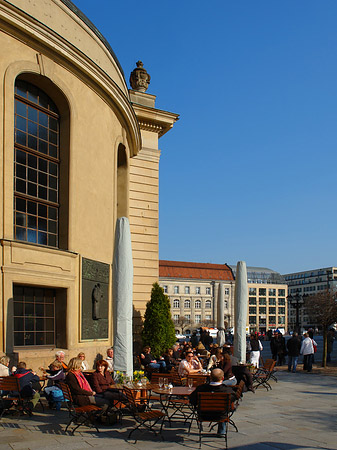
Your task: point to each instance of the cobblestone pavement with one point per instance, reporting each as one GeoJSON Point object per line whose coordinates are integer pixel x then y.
{"type": "Point", "coordinates": [300, 412]}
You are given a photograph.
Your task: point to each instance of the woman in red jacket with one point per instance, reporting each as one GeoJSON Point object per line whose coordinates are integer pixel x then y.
{"type": "Point", "coordinates": [102, 383]}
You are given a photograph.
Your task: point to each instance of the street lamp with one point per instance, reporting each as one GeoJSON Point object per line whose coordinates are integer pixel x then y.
{"type": "Point", "coordinates": [297, 301]}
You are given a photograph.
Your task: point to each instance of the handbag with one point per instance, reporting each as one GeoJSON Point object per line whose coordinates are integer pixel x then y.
{"type": "Point", "coordinates": [314, 345]}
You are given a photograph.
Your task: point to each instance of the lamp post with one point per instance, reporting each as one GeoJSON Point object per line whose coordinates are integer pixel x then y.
{"type": "Point", "coordinates": [296, 301]}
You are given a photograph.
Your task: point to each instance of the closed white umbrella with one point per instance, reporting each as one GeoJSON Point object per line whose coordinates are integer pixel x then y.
{"type": "Point", "coordinates": [122, 298]}
{"type": "Point", "coordinates": [221, 338]}
{"type": "Point", "coordinates": [240, 304]}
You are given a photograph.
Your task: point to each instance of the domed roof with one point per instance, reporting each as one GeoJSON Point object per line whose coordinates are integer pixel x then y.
{"type": "Point", "coordinates": [88, 22]}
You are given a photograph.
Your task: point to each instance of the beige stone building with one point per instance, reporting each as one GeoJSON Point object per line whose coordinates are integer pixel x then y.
{"type": "Point", "coordinates": [79, 149]}
{"type": "Point", "coordinates": [193, 292]}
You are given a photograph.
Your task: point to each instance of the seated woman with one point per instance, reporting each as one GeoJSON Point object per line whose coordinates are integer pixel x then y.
{"type": "Point", "coordinates": [169, 359]}
{"type": "Point", "coordinates": [85, 365]}
{"type": "Point", "coordinates": [226, 366]}
{"type": "Point", "coordinates": [190, 365]}
{"type": "Point", "coordinates": [215, 360]}
{"type": "Point", "coordinates": [102, 384]}
{"type": "Point", "coordinates": [4, 366]}
{"type": "Point", "coordinates": [80, 388]}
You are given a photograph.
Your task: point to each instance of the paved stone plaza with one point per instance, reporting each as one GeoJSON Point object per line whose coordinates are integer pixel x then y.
{"type": "Point", "coordinates": [299, 413]}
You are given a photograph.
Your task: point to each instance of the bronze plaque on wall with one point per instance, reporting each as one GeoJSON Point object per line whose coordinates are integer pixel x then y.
{"type": "Point", "coordinates": [95, 298]}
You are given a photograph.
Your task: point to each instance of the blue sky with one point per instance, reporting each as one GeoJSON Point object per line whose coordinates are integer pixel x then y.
{"type": "Point", "coordinates": [249, 171]}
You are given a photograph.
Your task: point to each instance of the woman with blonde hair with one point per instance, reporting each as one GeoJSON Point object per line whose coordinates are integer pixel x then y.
{"type": "Point", "coordinates": [85, 365]}
{"type": "Point", "coordinates": [80, 388]}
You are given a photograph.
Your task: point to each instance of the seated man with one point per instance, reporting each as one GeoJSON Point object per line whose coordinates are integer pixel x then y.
{"type": "Point", "coordinates": [110, 359]}
{"type": "Point", "coordinates": [148, 360]}
{"type": "Point", "coordinates": [215, 385]}
{"type": "Point", "coordinates": [189, 365]}
{"type": "Point", "coordinates": [59, 356]}
{"type": "Point", "coordinates": [28, 380]}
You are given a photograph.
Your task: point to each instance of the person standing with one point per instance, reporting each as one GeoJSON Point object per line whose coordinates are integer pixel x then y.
{"type": "Point", "coordinates": [307, 350]}
{"type": "Point", "coordinates": [256, 347]}
{"type": "Point", "coordinates": [293, 347]}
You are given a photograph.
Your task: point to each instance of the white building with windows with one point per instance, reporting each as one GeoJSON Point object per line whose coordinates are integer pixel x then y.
{"type": "Point", "coordinates": [305, 283]}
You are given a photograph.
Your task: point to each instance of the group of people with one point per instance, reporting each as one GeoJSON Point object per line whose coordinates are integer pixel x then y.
{"type": "Point", "coordinates": [91, 388]}
{"type": "Point", "coordinates": [188, 360]}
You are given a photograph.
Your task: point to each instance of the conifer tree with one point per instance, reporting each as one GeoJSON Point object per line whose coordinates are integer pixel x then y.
{"type": "Point", "coordinates": [158, 331]}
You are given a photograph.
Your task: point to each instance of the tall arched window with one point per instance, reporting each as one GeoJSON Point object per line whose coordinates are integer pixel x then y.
{"type": "Point", "coordinates": [197, 304]}
{"type": "Point", "coordinates": [208, 304]}
{"type": "Point", "coordinates": [176, 303]}
{"type": "Point", "coordinates": [187, 304]}
{"type": "Point", "coordinates": [36, 166]}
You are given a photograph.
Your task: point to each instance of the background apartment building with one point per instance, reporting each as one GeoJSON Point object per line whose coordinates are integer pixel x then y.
{"type": "Point", "coordinates": [267, 308]}
{"type": "Point", "coordinates": [302, 284]}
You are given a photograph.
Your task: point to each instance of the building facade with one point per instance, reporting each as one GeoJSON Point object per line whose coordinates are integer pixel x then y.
{"type": "Point", "coordinates": [302, 284]}
{"type": "Point", "coordinates": [79, 149]}
{"type": "Point", "coordinates": [267, 308]}
{"type": "Point", "coordinates": [193, 292]}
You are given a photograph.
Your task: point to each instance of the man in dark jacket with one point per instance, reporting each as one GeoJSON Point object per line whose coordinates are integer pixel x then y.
{"type": "Point", "coordinates": [29, 384]}
{"type": "Point", "coordinates": [215, 385]}
{"type": "Point", "coordinates": [294, 347]}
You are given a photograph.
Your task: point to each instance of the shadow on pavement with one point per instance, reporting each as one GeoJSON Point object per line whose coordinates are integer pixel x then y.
{"type": "Point", "coordinates": [274, 446]}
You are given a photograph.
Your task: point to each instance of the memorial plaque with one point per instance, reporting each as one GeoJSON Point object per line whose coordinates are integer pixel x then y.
{"type": "Point", "coordinates": [95, 299]}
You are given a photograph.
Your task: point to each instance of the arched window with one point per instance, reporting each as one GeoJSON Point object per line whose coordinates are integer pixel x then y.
{"type": "Point", "coordinates": [187, 304]}
{"type": "Point", "coordinates": [197, 304]}
{"type": "Point", "coordinates": [36, 166]}
{"type": "Point", "coordinates": [176, 303]}
{"type": "Point", "coordinates": [208, 304]}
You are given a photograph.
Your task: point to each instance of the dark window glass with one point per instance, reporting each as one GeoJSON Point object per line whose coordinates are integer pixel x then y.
{"type": "Point", "coordinates": [34, 316]}
{"type": "Point", "coordinates": [36, 138]}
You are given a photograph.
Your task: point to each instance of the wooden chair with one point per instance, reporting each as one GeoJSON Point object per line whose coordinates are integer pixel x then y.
{"type": "Point", "coordinates": [235, 404]}
{"type": "Point", "coordinates": [79, 415]}
{"type": "Point", "coordinates": [268, 363]}
{"type": "Point", "coordinates": [176, 379]}
{"type": "Point", "coordinates": [147, 419]}
{"type": "Point", "coordinates": [263, 375]}
{"type": "Point", "coordinates": [215, 408]}
{"type": "Point", "coordinates": [11, 398]}
{"type": "Point", "coordinates": [197, 379]}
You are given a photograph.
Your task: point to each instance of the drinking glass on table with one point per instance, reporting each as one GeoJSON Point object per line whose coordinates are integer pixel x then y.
{"type": "Point", "coordinates": [161, 383]}
{"type": "Point", "coordinates": [165, 383]}
{"type": "Point", "coordinates": [190, 383]}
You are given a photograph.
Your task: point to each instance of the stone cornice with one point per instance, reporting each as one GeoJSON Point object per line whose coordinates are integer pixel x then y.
{"type": "Point", "coordinates": [27, 29]}
{"type": "Point", "coordinates": [155, 120]}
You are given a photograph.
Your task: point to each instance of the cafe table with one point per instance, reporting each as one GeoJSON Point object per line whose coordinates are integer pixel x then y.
{"type": "Point", "coordinates": [176, 399]}
{"type": "Point", "coordinates": [141, 392]}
